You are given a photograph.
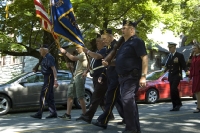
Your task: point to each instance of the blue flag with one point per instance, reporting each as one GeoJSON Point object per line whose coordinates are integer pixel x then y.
{"type": "Point", "coordinates": [64, 22]}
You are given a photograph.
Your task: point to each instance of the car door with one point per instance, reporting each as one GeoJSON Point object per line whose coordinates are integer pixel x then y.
{"type": "Point", "coordinates": [164, 87]}
{"type": "Point", "coordinates": [185, 86]}
{"type": "Point", "coordinates": [60, 93]}
{"type": "Point", "coordinates": [30, 94]}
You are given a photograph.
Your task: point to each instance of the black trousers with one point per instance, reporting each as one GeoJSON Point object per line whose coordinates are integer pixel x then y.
{"type": "Point", "coordinates": [97, 97]}
{"type": "Point", "coordinates": [129, 87]}
{"type": "Point", "coordinates": [175, 98]}
{"type": "Point", "coordinates": [112, 96]}
{"type": "Point", "coordinates": [47, 94]}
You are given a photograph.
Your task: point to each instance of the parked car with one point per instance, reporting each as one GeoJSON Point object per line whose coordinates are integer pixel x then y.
{"type": "Point", "coordinates": [158, 87]}
{"type": "Point", "coordinates": [24, 91]}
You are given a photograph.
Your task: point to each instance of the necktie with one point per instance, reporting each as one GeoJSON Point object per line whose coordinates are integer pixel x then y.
{"type": "Point", "coordinates": [171, 56]}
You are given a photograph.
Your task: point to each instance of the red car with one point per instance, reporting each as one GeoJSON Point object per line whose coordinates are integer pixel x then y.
{"type": "Point", "coordinates": [158, 87]}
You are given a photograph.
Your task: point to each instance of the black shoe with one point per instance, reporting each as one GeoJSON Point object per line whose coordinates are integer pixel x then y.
{"type": "Point", "coordinates": [175, 109]}
{"type": "Point", "coordinates": [79, 118]}
{"type": "Point", "coordinates": [111, 117]}
{"type": "Point", "coordinates": [99, 124]}
{"type": "Point", "coordinates": [172, 109]}
{"type": "Point", "coordinates": [39, 116]}
{"type": "Point", "coordinates": [195, 102]}
{"type": "Point", "coordinates": [84, 118]}
{"type": "Point", "coordinates": [121, 122]}
{"type": "Point", "coordinates": [179, 106]}
{"type": "Point", "coordinates": [51, 116]}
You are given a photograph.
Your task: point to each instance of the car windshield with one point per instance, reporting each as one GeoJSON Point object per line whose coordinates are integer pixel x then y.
{"type": "Point", "coordinates": [15, 78]}
{"type": "Point", "coordinates": [154, 75]}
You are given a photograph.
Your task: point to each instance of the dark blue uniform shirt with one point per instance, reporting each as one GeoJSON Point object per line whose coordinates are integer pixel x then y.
{"type": "Point", "coordinates": [111, 72]}
{"type": "Point", "coordinates": [95, 63]}
{"type": "Point", "coordinates": [47, 62]}
{"type": "Point", "coordinates": [128, 56]}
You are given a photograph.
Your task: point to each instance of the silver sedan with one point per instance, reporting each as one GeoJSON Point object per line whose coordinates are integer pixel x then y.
{"type": "Point", "coordinates": [24, 91]}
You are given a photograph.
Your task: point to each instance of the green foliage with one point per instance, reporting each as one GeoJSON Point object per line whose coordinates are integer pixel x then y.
{"type": "Point", "coordinates": [21, 22]}
{"type": "Point", "coordinates": [180, 16]}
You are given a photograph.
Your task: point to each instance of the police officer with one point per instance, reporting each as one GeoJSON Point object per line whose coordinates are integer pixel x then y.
{"type": "Point", "coordinates": [113, 92]}
{"type": "Point", "coordinates": [50, 80]}
{"type": "Point", "coordinates": [175, 64]}
{"type": "Point", "coordinates": [131, 65]}
{"type": "Point", "coordinates": [99, 88]}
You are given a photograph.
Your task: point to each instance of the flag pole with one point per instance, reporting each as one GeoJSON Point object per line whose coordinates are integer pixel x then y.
{"type": "Point", "coordinates": [51, 4]}
{"type": "Point", "coordinates": [58, 43]}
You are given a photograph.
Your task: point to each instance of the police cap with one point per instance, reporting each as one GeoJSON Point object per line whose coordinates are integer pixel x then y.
{"type": "Point", "coordinates": [129, 23]}
{"type": "Point", "coordinates": [134, 24]}
{"type": "Point", "coordinates": [107, 31]}
{"type": "Point", "coordinates": [172, 43]}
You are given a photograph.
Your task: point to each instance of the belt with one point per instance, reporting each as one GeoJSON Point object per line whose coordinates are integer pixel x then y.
{"type": "Point", "coordinates": [123, 75]}
{"type": "Point", "coordinates": [134, 73]}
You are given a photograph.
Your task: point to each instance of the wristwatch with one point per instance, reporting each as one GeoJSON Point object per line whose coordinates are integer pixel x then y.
{"type": "Point", "coordinates": [144, 75]}
{"type": "Point", "coordinates": [55, 79]}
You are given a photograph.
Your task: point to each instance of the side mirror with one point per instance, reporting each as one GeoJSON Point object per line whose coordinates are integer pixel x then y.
{"type": "Point", "coordinates": [164, 78]}
{"type": "Point", "coordinates": [23, 81]}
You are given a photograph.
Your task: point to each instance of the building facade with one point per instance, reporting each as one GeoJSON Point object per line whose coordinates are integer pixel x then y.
{"type": "Point", "coordinates": [11, 66]}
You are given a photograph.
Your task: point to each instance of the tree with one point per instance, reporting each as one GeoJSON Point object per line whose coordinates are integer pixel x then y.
{"type": "Point", "coordinates": [182, 16]}
{"type": "Point", "coordinates": [21, 22]}
{"type": "Point", "coordinates": [177, 15]}
{"type": "Point", "coordinates": [102, 14]}
{"type": "Point", "coordinates": [191, 22]}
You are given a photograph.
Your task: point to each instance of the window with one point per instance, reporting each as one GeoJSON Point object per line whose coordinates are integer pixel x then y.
{"type": "Point", "coordinates": [64, 76]}
{"type": "Point", "coordinates": [11, 60]}
{"type": "Point", "coordinates": [40, 78]}
{"type": "Point", "coordinates": [16, 59]}
{"type": "Point", "coordinates": [154, 75]}
{"type": "Point", "coordinates": [151, 55]}
{"type": "Point", "coordinates": [35, 78]}
{"type": "Point", "coordinates": [158, 61]}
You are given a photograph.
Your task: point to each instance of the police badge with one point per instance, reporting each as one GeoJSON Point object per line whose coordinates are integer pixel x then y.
{"type": "Point", "coordinates": [176, 60]}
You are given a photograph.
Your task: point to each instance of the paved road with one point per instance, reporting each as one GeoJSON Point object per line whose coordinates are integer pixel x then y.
{"type": "Point", "coordinates": [154, 118]}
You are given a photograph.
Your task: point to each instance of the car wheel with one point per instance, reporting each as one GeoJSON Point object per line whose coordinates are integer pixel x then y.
{"type": "Point", "coordinates": [151, 96]}
{"type": "Point", "coordinates": [4, 104]}
{"type": "Point", "coordinates": [88, 98]}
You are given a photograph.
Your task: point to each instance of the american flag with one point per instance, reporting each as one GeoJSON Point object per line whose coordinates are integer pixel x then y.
{"type": "Point", "coordinates": [44, 17]}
